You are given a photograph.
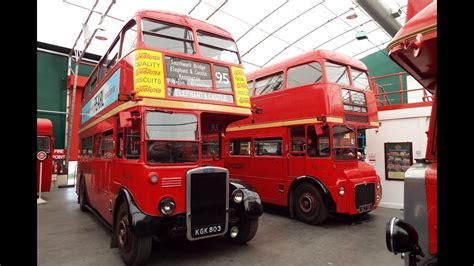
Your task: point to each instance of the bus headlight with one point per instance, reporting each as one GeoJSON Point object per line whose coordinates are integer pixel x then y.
{"type": "Point", "coordinates": [167, 206]}
{"type": "Point", "coordinates": [341, 191]}
{"type": "Point", "coordinates": [237, 196]}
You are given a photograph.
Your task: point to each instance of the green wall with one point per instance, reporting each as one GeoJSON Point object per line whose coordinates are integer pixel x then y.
{"type": "Point", "coordinates": [380, 64]}
{"type": "Point", "coordinates": [51, 73]}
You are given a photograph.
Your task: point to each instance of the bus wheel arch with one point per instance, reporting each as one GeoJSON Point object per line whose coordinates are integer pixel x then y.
{"type": "Point", "coordinates": [327, 200]}
{"type": "Point", "coordinates": [120, 198]}
{"type": "Point", "coordinates": [134, 249]}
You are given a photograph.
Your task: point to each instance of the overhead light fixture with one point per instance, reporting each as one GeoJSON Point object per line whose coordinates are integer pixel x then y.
{"type": "Point", "coordinates": [100, 37]}
{"type": "Point", "coordinates": [352, 15]}
{"type": "Point", "coordinates": [397, 13]}
{"type": "Point", "coordinates": [361, 35]}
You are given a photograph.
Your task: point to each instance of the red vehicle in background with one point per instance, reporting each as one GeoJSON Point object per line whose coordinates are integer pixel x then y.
{"type": "Point", "coordinates": [44, 145]}
{"type": "Point", "coordinates": [414, 49]}
{"type": "Point", "coordinates": [299, 149]}
{"type": "Point", "coordinates": [153, 119]}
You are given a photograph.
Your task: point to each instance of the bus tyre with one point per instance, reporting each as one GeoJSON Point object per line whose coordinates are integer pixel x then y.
{"type": "Point", "coordinates": [133, 250]}
{"type": "Point", "coordinates": [82, 195]}
{"type": "Point", "coordinates": [309, 204]}
{"type": "Point", "coordinates": [247, 230]}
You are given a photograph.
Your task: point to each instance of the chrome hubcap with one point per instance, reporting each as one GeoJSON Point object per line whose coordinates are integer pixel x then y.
{"type": "Point", "coordinates": [123, 231]}
{"type": "Point", "coordinates": [306, 202]}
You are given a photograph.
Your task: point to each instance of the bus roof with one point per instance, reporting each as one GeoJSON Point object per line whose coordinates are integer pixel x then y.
{"type": "Point", "coordinates": [307, 57]}
{"type": "Point", "coordinates": [184, 20]}
{"type": "Point", "coordinates": [44, 127]}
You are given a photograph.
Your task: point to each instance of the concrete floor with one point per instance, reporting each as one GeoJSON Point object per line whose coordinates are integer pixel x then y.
{"type": "Point", "coordinates": [67, 236]}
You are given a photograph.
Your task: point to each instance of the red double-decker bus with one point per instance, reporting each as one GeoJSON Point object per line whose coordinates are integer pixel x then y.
{"type": "Point", "coordinates": [153, 120]}
{"type": "Point", "coordinates": [414, 48]}
{"type": "Point", "coordinates": [44, 145]}
{"type": "Point", "coordinates": [300, 147]}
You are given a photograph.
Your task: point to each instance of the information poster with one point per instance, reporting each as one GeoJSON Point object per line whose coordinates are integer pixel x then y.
{"type": "Point", "coordinates": [398, 158]}
{"type": "Point", "coordinates": [148, 77]}
{"type": "Point", "coordinates": [240, 87]}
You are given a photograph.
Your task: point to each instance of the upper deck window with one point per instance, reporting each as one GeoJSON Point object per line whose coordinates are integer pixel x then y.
{"type": "Point", "coordinates": [129, 40]}
{"type": "Point", "coordinates": [305, 74]}
{"type": "Point", "coordinates": [250, 87]}
{"type": "Point", "coordinates": [360, 79]}
{"type": "Point", "coordinates": [269, 84]}
{"type": "Point", "coordinates": [42, 144]}
{"type": "Point", "coordinates": [167, 36]}
{"type": "Point", "coordinates": [337, 73]}
{"type": "Point", "coordinates": [218, 48]}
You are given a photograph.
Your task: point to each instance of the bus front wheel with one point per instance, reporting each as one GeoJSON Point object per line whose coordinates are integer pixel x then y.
{"type": "Point", "coordinates": [309, 204]}
{"type": "Point", "coordinates": [134, 250]}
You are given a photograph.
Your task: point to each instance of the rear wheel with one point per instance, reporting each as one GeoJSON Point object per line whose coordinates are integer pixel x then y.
{"type": "Point", "coordinates": [133, 249]}
{"type": "Point", "coordinates": [309, 204]}
{"type": "Point", "coordinates": [82, 195]}
{"type": "Point", "coordinates": [247, 228]}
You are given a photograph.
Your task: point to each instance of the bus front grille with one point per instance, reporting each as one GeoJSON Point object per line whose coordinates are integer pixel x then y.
{"type": "Point", "coordinates": [364, 197]}
{"type": "Point", "coordinates": [207, 203]}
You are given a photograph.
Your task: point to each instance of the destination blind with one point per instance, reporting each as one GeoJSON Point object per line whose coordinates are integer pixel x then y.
{"type": "Point", "coordinates": [184, 72]}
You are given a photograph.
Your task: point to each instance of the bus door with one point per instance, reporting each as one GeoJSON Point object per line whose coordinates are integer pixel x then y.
{"type": "Point", "coordinates": [296, 152]}
{"type": "Point", "coordinates": [105, 166]}
{"type": "Point", "coordinates": [268, 169]}
{"type": "Point", "coordinates": [319, 163]}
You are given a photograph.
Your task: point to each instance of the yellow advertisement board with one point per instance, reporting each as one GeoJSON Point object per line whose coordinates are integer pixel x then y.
{"type": "Point", "coordinates": [148, 76]}
{"type": "Point", "coordinates": [240, 87]}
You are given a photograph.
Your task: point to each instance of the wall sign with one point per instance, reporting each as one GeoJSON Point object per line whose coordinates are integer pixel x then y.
{"type": "Point", "coordinates": [59, 162]}
{"type": "Point", "coordinates": [106, 95]}
{"type": "Point", "coordinates": [398, 158]}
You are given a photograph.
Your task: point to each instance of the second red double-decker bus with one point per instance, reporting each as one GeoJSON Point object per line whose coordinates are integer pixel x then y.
{"type": "Point", "coordinates": [300, 147]}
{"type": "Point", "coordinates": [44, 145]}
{"type": "Point", "coordinates": [154, 114]}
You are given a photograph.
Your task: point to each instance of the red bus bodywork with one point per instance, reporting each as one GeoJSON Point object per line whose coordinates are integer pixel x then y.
{"type": "Point", "coordinates": [318, 104]}
{"type": "Point", "coordinates": [45, 141]}
{"type": "Point", "coordinates": [414, 49]}
{"type": "Point", "coordinates": [128, 157]}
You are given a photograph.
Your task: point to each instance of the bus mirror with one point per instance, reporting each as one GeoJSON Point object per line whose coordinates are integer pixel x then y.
{"type": "Point", "coordinates": [125, 119]}
{"type": "Point", "coordinates": [319, 129]}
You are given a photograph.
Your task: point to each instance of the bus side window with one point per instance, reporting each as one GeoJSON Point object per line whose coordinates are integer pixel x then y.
{"type": "Point", "coordinates": [87, 147]}
{"type": "Point", "coordinates": [96, 150]}
{"type": "Point", "coordinates": [318, 146]}
{"type": "Point", "coordinates": [107, 146]}
{"type": "Point", "coordinates": [132, 141]}
{"type": "Point", "coordinates": [240, 147]}
{"type": "Point", "coordinates": [119, 144]}
{"type": "Point", "coordinates": [298, 143]}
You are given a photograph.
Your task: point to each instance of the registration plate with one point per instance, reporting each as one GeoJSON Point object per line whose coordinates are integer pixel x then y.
{"type": "Point", "coordinates": [365, 208]}
{"type": "Point", "coordinates": [207, 230]}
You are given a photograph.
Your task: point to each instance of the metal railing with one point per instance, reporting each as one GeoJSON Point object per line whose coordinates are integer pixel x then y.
{"type": "Point", "coordinates": [385, 96]}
